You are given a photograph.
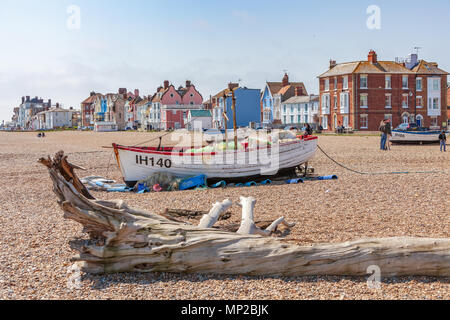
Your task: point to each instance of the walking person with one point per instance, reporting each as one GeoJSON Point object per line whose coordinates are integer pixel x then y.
{"type": "Point", "coordinates": [443, 140]}
{"type": "Point", "coordinates": [383, 135]}
{"type": "Point", "coordinates": [388, 131]}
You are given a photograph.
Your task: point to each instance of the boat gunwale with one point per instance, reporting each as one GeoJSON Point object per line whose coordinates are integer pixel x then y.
{"type": "Point", "coordinates": [171, 153]}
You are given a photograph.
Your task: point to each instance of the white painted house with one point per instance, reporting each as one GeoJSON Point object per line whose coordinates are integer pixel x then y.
{"type": "Point", "coordinates": [197, 119]}
{"type": "Point", "coordinates": [55, 118]}
{"type": "Point", "coordinates": [300, 110]}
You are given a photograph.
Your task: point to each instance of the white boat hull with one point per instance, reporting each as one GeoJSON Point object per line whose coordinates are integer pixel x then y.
{"type": "Point", "coordinates": [138, 163]}
{"type": "Point", "coordinates": [419, 136]}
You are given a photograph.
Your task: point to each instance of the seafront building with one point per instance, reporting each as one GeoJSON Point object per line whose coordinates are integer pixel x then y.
{"type": "Point", "coordinates": [300, 110]}
{"type": "Point", "coordinates": [361, 94]}
{"type": "Point", "coordinates": [25, 113]}
{"type": "Point", "coordinates": [247, 106]}
{"type": "Point", "coordinates": [276, 93]}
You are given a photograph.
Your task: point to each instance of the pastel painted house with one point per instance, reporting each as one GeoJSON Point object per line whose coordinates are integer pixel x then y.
{"type": "Point", "coordinates": [176, 103]}
{"type": "Point", "coordinates": [275, 93]}
{"type": "Point", "coordinates": [248, 107]}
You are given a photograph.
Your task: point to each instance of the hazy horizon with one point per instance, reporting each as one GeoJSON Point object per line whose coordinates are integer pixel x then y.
{"type": "Point", "coordinates": [139, 44]}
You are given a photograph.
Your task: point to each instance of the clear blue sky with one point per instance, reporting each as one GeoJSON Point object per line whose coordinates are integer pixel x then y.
{"type": "Point", "coordinates": [140, 43]}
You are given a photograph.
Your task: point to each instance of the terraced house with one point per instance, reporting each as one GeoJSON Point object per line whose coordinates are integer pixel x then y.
{"type": "Point", "coordinates": [170, 106]}
{"type": "Point", "coordinates": [360, 94]}
{"type": "Point", "coordinates": [274, 94]}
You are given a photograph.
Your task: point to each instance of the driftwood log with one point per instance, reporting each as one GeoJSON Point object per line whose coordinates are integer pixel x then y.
{"type": "Point", "coordinates": [124, 239]}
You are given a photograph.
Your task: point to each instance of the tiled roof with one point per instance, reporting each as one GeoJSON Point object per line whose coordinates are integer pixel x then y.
{"type": "Point", "coordinates": [91, 99]}
{"type": "Point", "coordinates": [424, 67]}
{"type": "Point", "coordinates": [298, 99]}
{"type": "Point", "coordinates": [277, 87]}
{"type": "Point", "coordinates": [342, 68]}
{"type": "Point", "coordinates": [200, 113]}
{"type": "Point", "coordinates": [366, 67]}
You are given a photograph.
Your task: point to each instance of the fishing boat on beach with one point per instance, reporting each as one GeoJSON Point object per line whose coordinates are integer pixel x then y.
{"type": "Point", "coordinates": [411, 133]}
{"type": "Point", "coordinates": [250, 160]}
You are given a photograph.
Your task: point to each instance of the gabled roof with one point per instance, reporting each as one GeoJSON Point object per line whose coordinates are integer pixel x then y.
{"type": "Point", "coordinates": [424, 67]}
{"type": "Point", "coordinates": [278, 88]}
{"type": "Point", "coordinates": [91, 99]}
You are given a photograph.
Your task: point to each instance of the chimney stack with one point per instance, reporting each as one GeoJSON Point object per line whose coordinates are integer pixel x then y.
{"type": "Point", "coordinates": [23, 100]}
{"type": "Point", "coordinates": [166, 84]}
{"type": "Point", "coordinates": [333, 64]}
{"type": "Point", "coordinates": [188, 83]}
{"type": "Point", "coordinates": [285, 80]}
{"type": "Point", "coordinates": [122, 90]}
{"type": "Point", "coordinates": [136, 93]}
{"type": "Point", "coordinates": [28, 99]}
{"type": "Point", "coordinates": [372, 58]}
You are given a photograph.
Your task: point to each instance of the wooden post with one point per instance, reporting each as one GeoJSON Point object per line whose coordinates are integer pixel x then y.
{"type": "Point", "coordinates": [225, 118]}
{"type": "Point", "coordinates": [234, 119]}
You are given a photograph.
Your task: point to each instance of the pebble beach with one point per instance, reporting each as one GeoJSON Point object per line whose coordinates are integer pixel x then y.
{"type": "Point", "coordinates": [34, 238]}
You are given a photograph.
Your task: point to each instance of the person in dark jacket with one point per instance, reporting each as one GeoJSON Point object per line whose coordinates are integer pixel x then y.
{"type": "Point", "coordinates": [388, 131]}
{"type": "Point", "coordinates": [443, 140]}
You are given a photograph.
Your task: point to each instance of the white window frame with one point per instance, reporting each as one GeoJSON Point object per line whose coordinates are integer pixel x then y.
{"type": "Point", "coordinates": [421, 99]}
{"type": "Point", "coordinates": [407, 101]}
{"type": "Point", "coordinates": [403, 82]}
{"type": "Point", "coordinates": [361, 77]}
{"type": "Point", "coordinates": [390, 100]}
{"type": "Point", "coordinates": [344, 82]}
{"type": "Point", "coordinates": [325, 122]}
{"type": "Point", "coordinates": [386, 82]}
{"type": "Point", "coordinates": [366, 121]}
{"type": "Point", "coordinates": [419, 80]}
{"type": "Point", "coordinates": [327, 84]}
{"type": "Point", "coordinates": [367, 101]}
{"type": "Point", "coordinates": [436, 81]}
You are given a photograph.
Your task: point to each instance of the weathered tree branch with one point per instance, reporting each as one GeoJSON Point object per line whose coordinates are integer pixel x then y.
{"type": "Point", "coordinates": [125, 239]}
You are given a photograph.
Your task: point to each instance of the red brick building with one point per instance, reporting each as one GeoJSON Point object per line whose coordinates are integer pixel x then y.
{"type": "Point", "coordinates": [361, 94]}
{"type": "Point", "coordinates": [448, 107]}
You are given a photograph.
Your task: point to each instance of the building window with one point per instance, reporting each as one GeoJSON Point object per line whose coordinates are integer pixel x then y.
{"type": "Point", "coordinates": [292, 119]}
{"type": "Point", "coordinates": [435, 104]}
{"type": "Point", "coordinates": [298, 119]}
{"type": "Point", "coordinates": [388, 82]}
{"type": "Point", "coordinates": [405, 101]}
{"type": "Point", "coordinates": [325, 123]}
{"type": "Point", "coordinates": [345, 83]}
{"type": "Point", "coordinates": [335, 83]}
{"type": "Point", "coordinates": [306, 107]}
{"type": "Point", "coordinates": [419, 84]}
{"type": "Point", "coordinates": [436, 84]}
{"type": "Point", "coordinates": [284, 119]}
{"type": "Point", "coordinates": [327, 84]}
{"type": "Point", "coordinates": [419, 102]}
{"type": "Point", "coordinates": [388, 103]}
{"type": "Point", "coordinates": [363, 101]}
{"type": "Point", "coordinates": [364, 121]}
{"type": "Point", "coordinates": [306, 118]}
{"type": "Point", "coordinates": [434, 122]}
{"type": "Point", "coordinates": [345, 121]}
{"type": "Point", "coordinates": [405, 82]}
{"type": "Point", "coordinates": [335, 102]}
{"type": "Point", "coordinates": [363, 81]}
{"type": "Point", "coordinates": [292, 109]}
{"type": "Point", "coordinates": [284, 109]}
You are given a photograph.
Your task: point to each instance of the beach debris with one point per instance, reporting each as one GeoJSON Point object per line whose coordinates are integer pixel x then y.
{"type": "Point", "coordinates": [125, 239]}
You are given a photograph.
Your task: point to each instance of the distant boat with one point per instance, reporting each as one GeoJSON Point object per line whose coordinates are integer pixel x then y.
{"type": "Point", "coordinates": [411, 133]}
{"type": "Point", "coordinates": [137, 163]}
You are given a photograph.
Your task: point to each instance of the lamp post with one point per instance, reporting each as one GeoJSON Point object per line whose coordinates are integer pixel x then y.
{"type": "Point", "coordinates": [234, 119]}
